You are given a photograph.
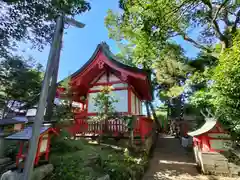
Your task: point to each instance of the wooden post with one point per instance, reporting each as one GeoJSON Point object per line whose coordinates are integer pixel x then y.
{"type": "Point", "coordinates": [129, 101]}
{"type": "Point", "coordinates": [28, 166]}
{"type": "Point", "coordinates": [20, 152]}
{"type": "Point", "coordinates": [148, 110]}
{"type": "Point", "coordinates": [1, 146]}
{"type": "Point", "coordinates": [53, 87]}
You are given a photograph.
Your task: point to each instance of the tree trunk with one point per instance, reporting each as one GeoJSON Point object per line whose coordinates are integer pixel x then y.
{"type": "Point", "coordinates": [50, 102]}
{"type": "Point", "coordinates": [4, 110]}
{"type": "Point", "coordinates": [147, 109]}
{"type": "Point", "coordinates": [131, 137]}
{"type": "Point", "coordinates": [100, 137]}
{"type": "Point", "coordinates": [168, 109]}
{"type": "Point", "coordinates": [168, 112]}
{"type": "Point", "coordinates": [131, 124]}
{"type": "Point", "coordinates": [181, 107]}
{"type": "Point", "coordinates": [106, 126]}
{"type": "Point", "coordinates": [155, 116]}
{"type": "Point", "coordinates": [106, 120]}
{"type": "Point", "coordinates": [224, 46]}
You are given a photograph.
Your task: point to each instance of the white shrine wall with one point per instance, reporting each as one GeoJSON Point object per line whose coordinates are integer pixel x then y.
{"type": "Point", "coordinates": [120, 93]}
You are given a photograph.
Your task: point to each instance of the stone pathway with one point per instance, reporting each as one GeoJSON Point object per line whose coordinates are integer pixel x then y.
{"type": "Point", "coordinates": [171, 162]}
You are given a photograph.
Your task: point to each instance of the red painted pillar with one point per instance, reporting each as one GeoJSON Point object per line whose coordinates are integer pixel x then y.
{"type": "Point", "coordinates": [129, 101]}
{"type": "Point", "coordinates": [19, 155]}
{"type": "Point", "coordinates": [142, 129]}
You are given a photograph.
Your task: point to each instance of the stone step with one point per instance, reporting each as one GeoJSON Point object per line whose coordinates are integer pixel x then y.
{"type": "Point", "coordinates": [4, 160]}
{"type": "Point", "coordinates": [7, 166]}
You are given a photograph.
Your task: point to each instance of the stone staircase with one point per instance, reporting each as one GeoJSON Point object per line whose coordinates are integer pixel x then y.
{"type": "Point", "coordinates": [170, 161]}
{"type": "Point", "coordinates": [6, 164]}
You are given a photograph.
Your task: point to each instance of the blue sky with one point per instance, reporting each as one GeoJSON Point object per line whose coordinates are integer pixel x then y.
{"type": "Point", "coordinates": [79, 44]}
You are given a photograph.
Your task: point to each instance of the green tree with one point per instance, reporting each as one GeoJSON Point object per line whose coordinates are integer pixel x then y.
{"type": "Point", "coordinates": [126, 54]}
{"type": "Point", "coordinates": [226, 79]}
{"type": "Point", "coordinates": [171, 73]}
{"type": "Point", "coordinates": [20, 80]}
{"type": "Point", "coordinates": [33, 21]}
{"type": "Point", "coordinates": [217, 89]}
{"type": "Point", "coordinates": [64, 111]}
{"type": "Point", "coordinates": [104, 104]}
{"type": "Point", "coordinates": [166, 61]}
{"type": "Point", "coordinates": [163, 19]}
{"type": "Point", "coordinates": [201, 79]}
{"type": "Point", "coordinates": [150, 26]}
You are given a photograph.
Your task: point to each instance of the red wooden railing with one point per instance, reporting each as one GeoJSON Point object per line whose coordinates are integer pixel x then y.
{"type": "Point", "coordinates": [84, 127]}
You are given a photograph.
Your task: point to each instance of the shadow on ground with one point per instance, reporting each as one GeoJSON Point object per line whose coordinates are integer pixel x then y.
{"type": "Point", "coordinates": [170, 161]}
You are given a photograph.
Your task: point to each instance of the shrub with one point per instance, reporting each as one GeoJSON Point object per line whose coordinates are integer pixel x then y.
{"type": "Point", "coordinates": [78, 160]}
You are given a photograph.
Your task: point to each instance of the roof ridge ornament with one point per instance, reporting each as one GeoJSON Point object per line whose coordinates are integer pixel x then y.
{"type": "Point", "coordinates": [101, 64]}
{"type": "Point", "coordinates": [104, 44]}
{"type": "Point", "coordinates": [210, 115]}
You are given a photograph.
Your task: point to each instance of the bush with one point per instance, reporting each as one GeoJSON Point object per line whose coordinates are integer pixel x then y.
{"type": "Point", "coordinates": [11, 149]}
{"type": "Point", "coordinates": [72, 166]}
{"type": "Point", "coordinates": [122, 169]}
{"type": "Point", "coordinates": [70, 158]}
{"type": "Point", "coordinates": [64, 144]}
{"type": "Point", "coordinates": [119, 165]}
{"type": "Point", "coordinates": [78, 160]}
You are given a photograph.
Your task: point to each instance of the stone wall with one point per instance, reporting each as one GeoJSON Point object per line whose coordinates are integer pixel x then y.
{"type": "Point", "coordinates": [38, 173]}
{"type": "Point", "coordinates": [220, 164]}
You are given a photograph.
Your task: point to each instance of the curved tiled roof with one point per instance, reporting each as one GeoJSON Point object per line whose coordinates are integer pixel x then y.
{"type": "Point", "coordinates": [9, 121]}
{"type": "Point", "coordinates": [25, 134]}
{"type": "Point", "coordinates": [104, 48]}
{"type": "Point", "coordinates": [209, 124]}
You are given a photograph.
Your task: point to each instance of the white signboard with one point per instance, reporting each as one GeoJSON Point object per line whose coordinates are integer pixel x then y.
{"type": "Point", "coordinates": [31, 112]}
{"type": "Point", "coordinates": [44, 143]}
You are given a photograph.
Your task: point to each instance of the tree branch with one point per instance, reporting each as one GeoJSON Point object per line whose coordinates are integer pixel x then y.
{"type": "Point", "coordinates": [222, 37]}
{"type": "Point", "coordinates": [219, 9]}
{"type": "Point", "coordinates": [234, 28]}
{"type": "Point", "coordinates": [195, 43]}
{"type": "Point", "coordinates": [180, 6]}
{"type": "Point", "coordinates": [226, 19]}
{"type": "Point", "coordinates": [218, 31]}
{"type": "Point", "coordinates": [208, 3]}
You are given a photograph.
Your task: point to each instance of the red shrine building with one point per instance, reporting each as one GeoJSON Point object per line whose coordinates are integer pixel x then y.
{"type": "Point", "coordinates": [210, 142]}
{"type": "Point", "coordinates": [130, 87]}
